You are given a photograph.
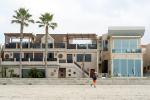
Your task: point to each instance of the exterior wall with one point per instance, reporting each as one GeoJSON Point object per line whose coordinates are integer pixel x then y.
{"type": "Point", "coordinates": [146, 56]}
{"type": "Point", "coordinates": [53, 72]}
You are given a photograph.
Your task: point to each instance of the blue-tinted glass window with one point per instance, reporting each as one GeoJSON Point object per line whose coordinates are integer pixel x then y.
{"type": "Point", "coordinates": [138, 68]}
{"type": "Point", "coordinates": [79, 57]}
{"type": "Point", "coordinates": [116, 67]}
{"type": "Point", "coordinates": [131, 68]}
{"type": "Point", "coordinates": [117, 44]}
{"type": "Point", "coordinates": [87, 57]}
{"type": "Point", "coordinates": [123, 66]}
{"type": "Point", "coordinates": [133, 43]}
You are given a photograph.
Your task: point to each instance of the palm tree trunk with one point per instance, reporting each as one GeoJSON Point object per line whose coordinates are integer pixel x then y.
{"type": "Point", "coordinates": [46, 47]}
{"type": "Point", "coordinates": [21, 37]}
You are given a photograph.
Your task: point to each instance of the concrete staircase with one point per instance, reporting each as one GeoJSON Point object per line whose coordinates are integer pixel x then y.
{"type": "Point", "coordinates": [83, 70]}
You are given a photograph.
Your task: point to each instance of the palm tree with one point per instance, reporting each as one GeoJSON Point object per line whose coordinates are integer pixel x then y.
{"type": "Point", "coordinates": [11, 72]}
{"type": "Point", "coordinates": [46, 21]}
{"type": "Point", "coordinates": [35, 73]}
{"type": "Point", "coordinates": [22, 17]}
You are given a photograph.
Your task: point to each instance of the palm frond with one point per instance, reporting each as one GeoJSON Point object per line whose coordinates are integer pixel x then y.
{"type": "Point", "coordinates": [22, 16]}
{"type": "Point", "coordinates": [15, 21]}
{"type": "Point", "coordinates": [41, 25]}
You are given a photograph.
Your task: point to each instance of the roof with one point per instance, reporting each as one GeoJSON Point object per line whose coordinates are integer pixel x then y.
{"type": "Point", "coordinates": [18, 34]}
{"type": "Point", "coordinates": [65, 37]}
{"type": "Point", "coordinates": [126, 31]}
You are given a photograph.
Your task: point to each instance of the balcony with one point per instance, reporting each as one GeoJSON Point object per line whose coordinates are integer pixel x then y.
{"type": "Point", "coordinates": [51, 59]}
{"type": "Point", "coordinates": [71, 46]}
{"type": "Point", "coordinates": [92, 46]}
{"type": "Point", "coordinates": [59, 45]}
{"type": "Point", "coordinates": [24, 45]}
{"type": "Point", "coordinates": [81, 46]}
{"type": "Point", "coordinates": [126, 50]}
{"type": "Point", "coordinates": [10, 45]}
{"type": "Point", "coordinates": [50, 45]}
{"type": "Point", "coordinates": [35, 45]}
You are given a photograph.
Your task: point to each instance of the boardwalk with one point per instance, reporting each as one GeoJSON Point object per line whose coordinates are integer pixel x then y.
{"type": "Point", "coordinates": [74, 92]}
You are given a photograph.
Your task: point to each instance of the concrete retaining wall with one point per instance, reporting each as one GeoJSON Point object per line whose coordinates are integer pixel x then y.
{"type": "Point", "coordinates": [73, 81]}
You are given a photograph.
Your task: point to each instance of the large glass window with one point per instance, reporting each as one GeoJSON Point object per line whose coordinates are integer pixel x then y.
{"type": "Point", "coordinates": [137, 67]}
{"type": "Point", "coordinates": [125, 46]}
{"type": "Point", "coordinates": [127, 67]}
{"type": "Point", "coordinates": [116, 68]}
{"type": "Point", "coordinates": [131, 68]}
{"type": "Point", "coordinates": [123, 67]}
{"type": "Point", "coordinates": [133, 43]}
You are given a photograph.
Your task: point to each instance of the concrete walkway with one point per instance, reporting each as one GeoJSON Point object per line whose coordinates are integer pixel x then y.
{"type": "Point", "coordinates": [74, 92]}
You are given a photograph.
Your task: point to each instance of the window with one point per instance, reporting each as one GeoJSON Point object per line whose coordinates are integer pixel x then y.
{"type": "Point", "coordinates": [116, 69]}
{"type": "Point", "coordinates": [138, 68]}
{"type": "Point", "coordinates": [79, 57]}
{"type": "Point", "coordinates": [83, 57]}
{"type": "Point", "coordinates": [125, 46]}
{"type": "Point", "coordinates": [123, 67]}
{"type": "Point", "coordinates": [127, 67]}
{"type": "Point", "coordinates": [88, 57]}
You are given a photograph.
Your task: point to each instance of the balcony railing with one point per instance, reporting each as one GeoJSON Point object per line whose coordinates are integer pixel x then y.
{"type": "Point", "coordinates": [81, 46]}
{"type": "Point", "coordinates": [10, 45]}
{"type": "Point", "coordinates": [59, 45]}
{"type": "Point", "coordinates": [35, 45]}
{"type": "Point", "coordinates": [50, 45]}
{"type": "Point", "coordinates": [92, 46]}
{"type": "Point", "coordinates": [51, 59]}
{"type": "Point", "coordinates": [24, 45]}
{"type": "Point", "coordinates": [126, 50]}
{"type": "Point", "coordinates": [71, 46]}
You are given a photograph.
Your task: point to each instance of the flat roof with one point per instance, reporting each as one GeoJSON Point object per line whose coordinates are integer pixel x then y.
{"type": "Point", "coordinates": [126, 30]}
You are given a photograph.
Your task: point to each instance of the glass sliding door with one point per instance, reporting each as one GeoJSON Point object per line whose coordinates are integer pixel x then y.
{"type": "Point", "coordinates": [116, 67]}
{"type": "Point", "coordinates": [131, 68]}
{"type": "Point", "coordinates": [123, 67]}
{"type": "Point", "coordinates": [138, 68]}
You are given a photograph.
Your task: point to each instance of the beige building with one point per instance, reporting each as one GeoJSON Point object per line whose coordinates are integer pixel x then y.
{"type": "Point", "coordinates": [115, 54]}
{"type": "Point", "coordinates": [121, 53]}
{"type": "Point", "coordinates": [146, 58]}
{"type": "Point", "coordinates": [69, 55]}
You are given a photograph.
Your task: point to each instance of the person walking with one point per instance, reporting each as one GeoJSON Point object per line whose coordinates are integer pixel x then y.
{"type": "Point", "coordinates": [94, 78]}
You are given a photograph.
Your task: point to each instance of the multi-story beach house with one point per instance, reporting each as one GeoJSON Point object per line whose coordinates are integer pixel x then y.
{"type": "Point", "coordinates": [115, 54]}
{"type": "Point", "coordinates": [69, 55]}
{"type": "Point", "coordinates": [122, 54]}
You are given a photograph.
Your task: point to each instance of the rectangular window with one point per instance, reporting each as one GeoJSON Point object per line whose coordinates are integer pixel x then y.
{"type": "Point", "coordinates": [84, 57]}
{"type": "Point", "coordinates": [131, 68]}
{"type": "Point", "coordinates": [127, 67]}
{"type": "Point", "coordinates": [125, 46]}
{"type": "Point", "coordinates": [138, 68]}
{"type": "Point", "coordinates": [116, 68]}
{"type": "Point", "coordinates": [87, 57]}
{"type": "Point", "coordinates": [79, 57]}
{"type": "Point", "coordinates": [123, 67]}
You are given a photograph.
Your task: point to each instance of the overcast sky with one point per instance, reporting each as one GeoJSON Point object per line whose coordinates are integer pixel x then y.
{"type": "Point", "coordinates": [79, 16]}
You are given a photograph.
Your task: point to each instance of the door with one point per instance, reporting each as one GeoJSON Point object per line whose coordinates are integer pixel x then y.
{"type": "Point", "coordinates": [62, 73]}
{"type": "Point", "coordinates": [92, 71]}
{"type": "Point", "coordinates": [69, 58]}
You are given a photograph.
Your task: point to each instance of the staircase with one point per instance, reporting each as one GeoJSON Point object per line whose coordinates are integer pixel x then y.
{"type": "Point", "coordinates": [83, 70]}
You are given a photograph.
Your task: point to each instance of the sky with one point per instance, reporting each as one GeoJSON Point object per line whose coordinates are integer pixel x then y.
{"type": "Point", "coordinates": [79, 16]}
